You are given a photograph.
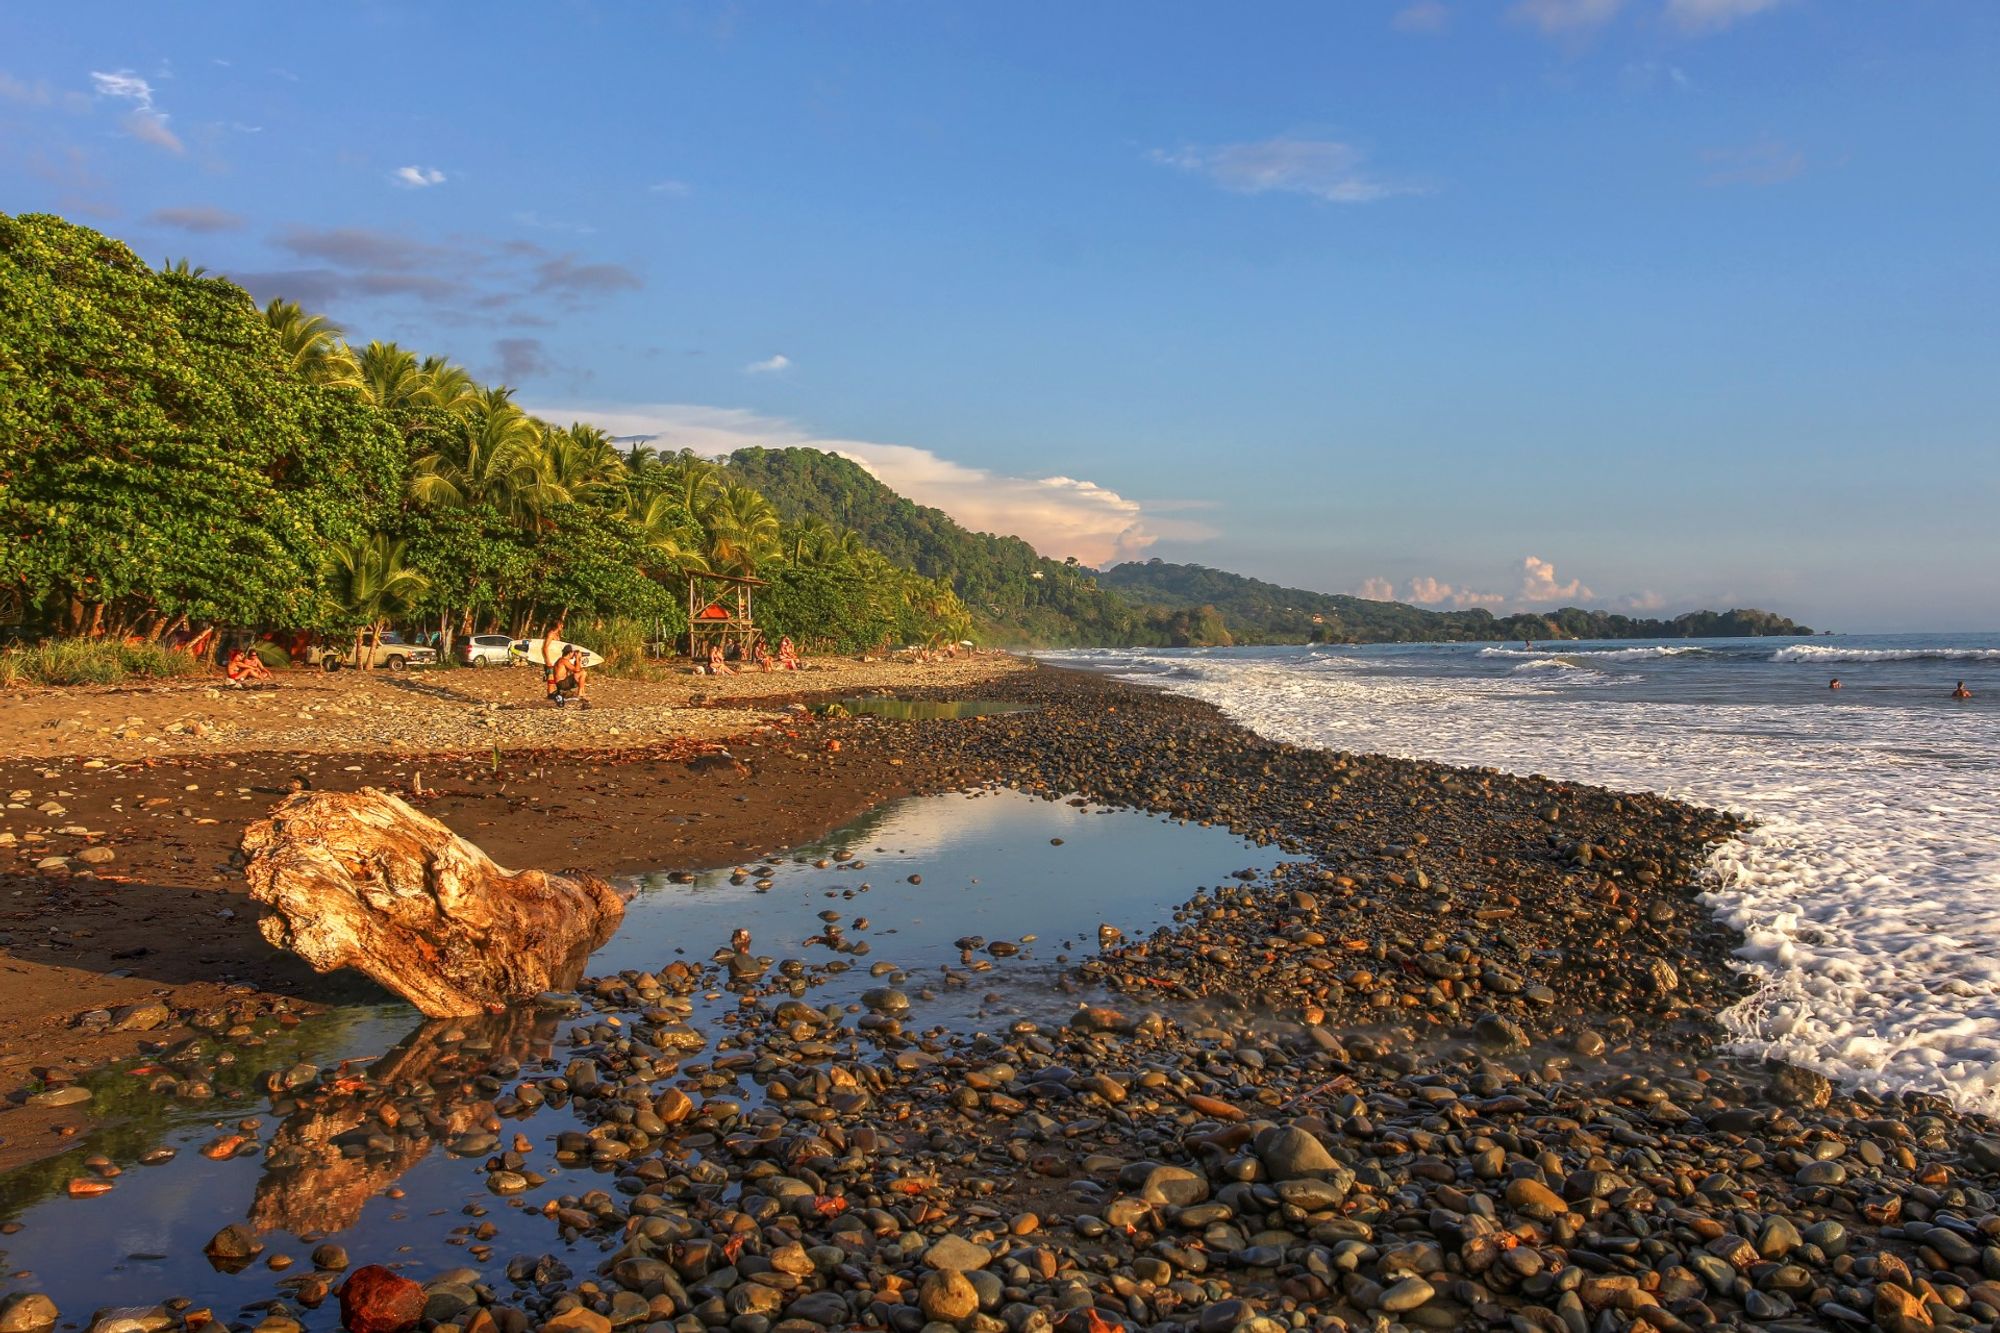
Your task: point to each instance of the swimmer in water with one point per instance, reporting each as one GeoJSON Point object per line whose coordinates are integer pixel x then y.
{"type": "Point", "coordinates": [1961, 692]}
{"type": "Point", "coordinates": [1833, 684]}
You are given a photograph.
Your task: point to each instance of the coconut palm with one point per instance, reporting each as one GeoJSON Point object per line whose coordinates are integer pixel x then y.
{"type": "Point", "coordinates": [693, 482]}
{"type": "Point", "coordinates": [449, 387]}
{"type": "Point", "coordinates": [742, 531]}
{"type": "Point", "coordinates": [575, 463]}
{"type": "Point", "coordinates": [493, 462]}
{"type": "Point", "coordinates": [392, 379]}
{"type": "Point", "coordinates": [312, 345]}
{"type": "Point", "coordinates": [369, 581]}
{"type": "Point", "coordinates": [669, 538]}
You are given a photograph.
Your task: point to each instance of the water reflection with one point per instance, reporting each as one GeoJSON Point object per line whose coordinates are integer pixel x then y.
{"type": "Point", "coordinates": [930, 710]}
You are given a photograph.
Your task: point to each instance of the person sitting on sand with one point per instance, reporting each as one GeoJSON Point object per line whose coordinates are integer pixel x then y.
{"type": "Point", "coordinates": [1961, 692]}
{"type": "Point", "coordinates": [1833, 684]}
{"type": "Point", "coordinates": [716, 666]}
{"type": "Point", "coordinates": [245, 668]}
{"type": "Point", "coordinates": [762, 656]}
{"type": "Point", "coordinates": [788, 656]}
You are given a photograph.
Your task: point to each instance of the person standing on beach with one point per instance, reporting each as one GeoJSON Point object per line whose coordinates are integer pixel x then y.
{"type": "Point", "coordinates": [551, 651]}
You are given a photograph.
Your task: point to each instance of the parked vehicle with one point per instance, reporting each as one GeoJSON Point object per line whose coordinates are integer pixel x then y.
{"type": "Point", "coordinates": [389, 651]}
{"type": "Point", "coordinates": [481, 650]}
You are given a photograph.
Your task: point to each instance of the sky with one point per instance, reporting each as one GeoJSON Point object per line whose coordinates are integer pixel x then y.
{"type": "Point", "coordinates": [1639, 304]}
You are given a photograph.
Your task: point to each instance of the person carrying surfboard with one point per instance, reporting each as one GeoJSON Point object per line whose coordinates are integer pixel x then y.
{"type": "Point", "coordinates": [551, 651]}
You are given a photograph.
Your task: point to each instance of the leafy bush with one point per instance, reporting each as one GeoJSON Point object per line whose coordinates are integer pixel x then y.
{"type": "Point", "coordinates": [620, 641]}
{"type": "Point", "coordinates": [92, 662]}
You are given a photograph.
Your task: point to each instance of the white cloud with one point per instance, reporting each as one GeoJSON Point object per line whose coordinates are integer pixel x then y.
{"type": "Point", "coordinates": [671, 188]}
{"type": "Point", "coordinates": [144, 122]}
{"type": "Point", "coordinates": [1698, 16]}
{"type": "Point", "coordinates": [1322, 168]}
{"type": "Point", "coordinates": [1058, 516]}
{"type": "Point", "coordinates": [1422, 16]}
{"type": "Point", "coordinates": [1641, 601]}
{"type": "Point", "coordinates": [1376, 590]}
{"type": "Point", "coordinates": [417, 178]}
{"type": "Point", "coordinates": [1427, 591]}
{"type": "Point", "coordinates": [1768, 161]}
{"type": "Point", "coordinates": [770, 365]}
{"type": "Point", "coordinates": [1539, 583]}
{"type": "Point", "coordinates": [1558, 17]}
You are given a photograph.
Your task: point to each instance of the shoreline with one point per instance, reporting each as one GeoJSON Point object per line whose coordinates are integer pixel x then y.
{"type": "Point", "coordinates": [1531, 951]}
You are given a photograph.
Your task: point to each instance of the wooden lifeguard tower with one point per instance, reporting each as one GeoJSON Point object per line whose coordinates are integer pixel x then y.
{"type": "Point", "coordinates": [720, 613]}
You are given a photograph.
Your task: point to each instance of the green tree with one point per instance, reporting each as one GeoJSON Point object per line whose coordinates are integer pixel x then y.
{"type": "Point", "coordinates": [371, 583]}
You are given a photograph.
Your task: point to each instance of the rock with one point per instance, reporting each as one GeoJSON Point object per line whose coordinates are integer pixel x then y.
{"type": "Point", "coordinates": [947, 1296]}
{"type": "Point", "coordinates": [1293, 1154]}
{"type": "Point", "coordinates": [70, 1095]}
{"type": "Point", "coordinates": [958, 1254]}
{"type": "Point", "coordinates": [28, 1312]}
{"type": "Point", "coordinates": [231, 1249]}
{"type": "Point", "coordinates": [1406, 1295]}
{"type": "Point", "coordinates": [581, 1319]}
{"type": "Point", "coordinates": [1500, 1034]}
{"type": "Point", "coordinates": [1899, 1310]}
{"type": "Point", "coordinates": [96, 856]}
{"type": "Point", "coordinates": [131, 1319]}
{"type": "Point", "coordinates": [141, 1017]}
{"type": "Point", "coordinates": [1778, 1237]}
{"type": "Point", "coordinates": [1793, 1086]}
{"type": "Point", "coordinates": [375, 1300]}
{"type": "Point", "coordinates": [1531, 1196]}
{"type": "Point", "coordinates": [362, 880]}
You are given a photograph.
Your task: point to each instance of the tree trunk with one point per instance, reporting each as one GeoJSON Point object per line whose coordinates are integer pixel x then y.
{"type": "Point", "coordinates": [362, 880]}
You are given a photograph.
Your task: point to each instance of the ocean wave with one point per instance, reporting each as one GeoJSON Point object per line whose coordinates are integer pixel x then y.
{"type": "Point", "coordinates": [1817, 653]}
{"type": "Point", "coordinates": [1554, 664]}
{"type": "Point", "coordinates": [1601, 654]}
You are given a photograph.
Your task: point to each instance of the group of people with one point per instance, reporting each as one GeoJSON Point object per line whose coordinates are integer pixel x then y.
{"type": "Point", "coordinates": [1960, 693]}
{"type": "Point", "coordinates": [787, 658]}
{"type": "Point", "coordinates": [564, 673]}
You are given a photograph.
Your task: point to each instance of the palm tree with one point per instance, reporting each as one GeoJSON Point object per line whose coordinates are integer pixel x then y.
{"type": "Point", "coordinates": [392, 379]}
{"type": "Point", "coordinates": [492, 462]}
{"type": "Point", "coordinates": [312, 345]}
{"type": "Point", "coordinates": [742, 531]}
{"type": "Point", "coordinates": [449, 387]}
{"type": "Point", "coordinates": [574, 464]}
{"type": "Point", "coordinates": [668, 537]}
{"type": "Point", "coordinates": [180, 268]}
{"type": "Point", "coordinates": [693, 482]}
{"type": "Point", "coordinates": [369, 581]}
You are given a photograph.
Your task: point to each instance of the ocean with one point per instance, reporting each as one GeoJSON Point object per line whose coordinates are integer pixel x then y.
{"type": "Point", "coordinates": [1868, 892]}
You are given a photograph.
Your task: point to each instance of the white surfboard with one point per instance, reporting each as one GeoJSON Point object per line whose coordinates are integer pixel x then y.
{"type": "Point", "coordinates": [530, 650]}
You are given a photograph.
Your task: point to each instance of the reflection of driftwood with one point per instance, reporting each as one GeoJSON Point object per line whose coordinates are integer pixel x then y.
{"type": "Point", "coordinates": [310, 1185]}
{"type": "Point", "coordinates": [361, 880]}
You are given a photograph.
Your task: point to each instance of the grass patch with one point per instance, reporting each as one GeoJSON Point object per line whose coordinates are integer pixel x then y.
{"type": "Point", "coordinates": [92, 662]}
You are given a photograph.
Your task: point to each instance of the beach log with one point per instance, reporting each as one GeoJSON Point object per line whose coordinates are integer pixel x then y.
{"type": "Point", "coordinates": [362, 880]}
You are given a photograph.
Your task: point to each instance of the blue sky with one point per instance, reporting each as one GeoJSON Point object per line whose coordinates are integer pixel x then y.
{"type": "Point", "coordinates": [1634, 303]}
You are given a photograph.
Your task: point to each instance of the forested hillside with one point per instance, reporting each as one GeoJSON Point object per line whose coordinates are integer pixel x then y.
{"type": "Point", "coordinates": [1254, 611]}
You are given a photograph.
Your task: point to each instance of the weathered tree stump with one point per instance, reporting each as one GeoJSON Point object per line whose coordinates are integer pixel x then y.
{"type": "Point", "coordinates": [361, 880]}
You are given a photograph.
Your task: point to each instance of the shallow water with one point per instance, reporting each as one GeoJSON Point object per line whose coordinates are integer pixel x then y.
{"type": "Point", "coordinates": [1001, 865]}
{"type": "Point", "coordinates": [1869, 891]}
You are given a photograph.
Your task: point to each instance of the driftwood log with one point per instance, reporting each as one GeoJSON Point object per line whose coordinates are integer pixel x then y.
{"type": "Point", "coordinates": [362, 880]}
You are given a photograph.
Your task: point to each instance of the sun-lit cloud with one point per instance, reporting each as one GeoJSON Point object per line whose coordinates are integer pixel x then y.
{"type": "Point", "coordinates": [770, 365]}
{"type": "Point", "coordinates": [1427, 591]}
{"type": "Point", "coordinates": [1376, 590]}
{"type": "Point", "coordinates": [1700, 16]}
{"type": "Point", "coordinates": [1059, 516]}
{"type": "Point", "coordinates": [1324, 169]}
{"type": "Point", "coordinates": [1565, 17]}
{"type": "Point", "coordinates": [1422, 16]}
{"type": "Point", "coordinates": [417, 178]}
{"type": "Point", "coordinates": [144, 122]}
{"type": "Point", "coordinates": [1539, 583]}
{"type": "Point", "coordinates": [1768, 161]}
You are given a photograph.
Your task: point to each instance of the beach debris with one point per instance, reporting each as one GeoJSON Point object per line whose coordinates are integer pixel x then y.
{"type": "Point", "coordinates": [362, 880]}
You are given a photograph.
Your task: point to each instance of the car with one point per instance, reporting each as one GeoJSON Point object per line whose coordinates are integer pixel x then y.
{"type": "Point", "coordinates": [389, 651]}
{"type": "Point", "coordinates": [481, 650]}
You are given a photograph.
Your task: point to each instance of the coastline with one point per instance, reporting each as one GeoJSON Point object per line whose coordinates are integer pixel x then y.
{"type": "Point", "coordinates": [1533, 948]}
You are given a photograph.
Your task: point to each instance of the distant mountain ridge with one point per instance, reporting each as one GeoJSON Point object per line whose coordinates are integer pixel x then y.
{"type": "Point", "coordinates": [1020, 597]}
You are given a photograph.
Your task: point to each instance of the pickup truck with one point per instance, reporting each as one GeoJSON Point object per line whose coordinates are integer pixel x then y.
{"type": "Point", "coordinates": [388, 651]}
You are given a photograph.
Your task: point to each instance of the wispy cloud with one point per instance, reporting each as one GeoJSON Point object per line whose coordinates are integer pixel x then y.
{"type": "Point", "coordinates": [144, 122]}
{"type": "Point", "coordinates": [671, 188]}
{"type": "Point", "coordinates": [1768, 161]}
{"type": "Point", "coordinates": [417, 178]}
{"type": "Point", "coordinates": [770, 365]}
{"type": "Point", "coordinates": [563, 275]}
{"type": "Point", "coordinates": [1322, 168]}
{"type": "Point", "coordinates": [1427, 17]}
{"type": "Point", "coordinates": [1557, 18]}
{"type": "Point", "coordinates": [197, 218]}
{"type": "Point", "coordinates": [1539, 583]}
{"type": "Point", "coordinates": [538, 222]}
{"type": "Point", "coordinates": [1701, 16]}
{"type": "Point", "coordinates": [359, 247]}
{"type": "Point", "coordinates": [1059, 516]}
{"type": "Point", "coordinates": [522, 359]}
